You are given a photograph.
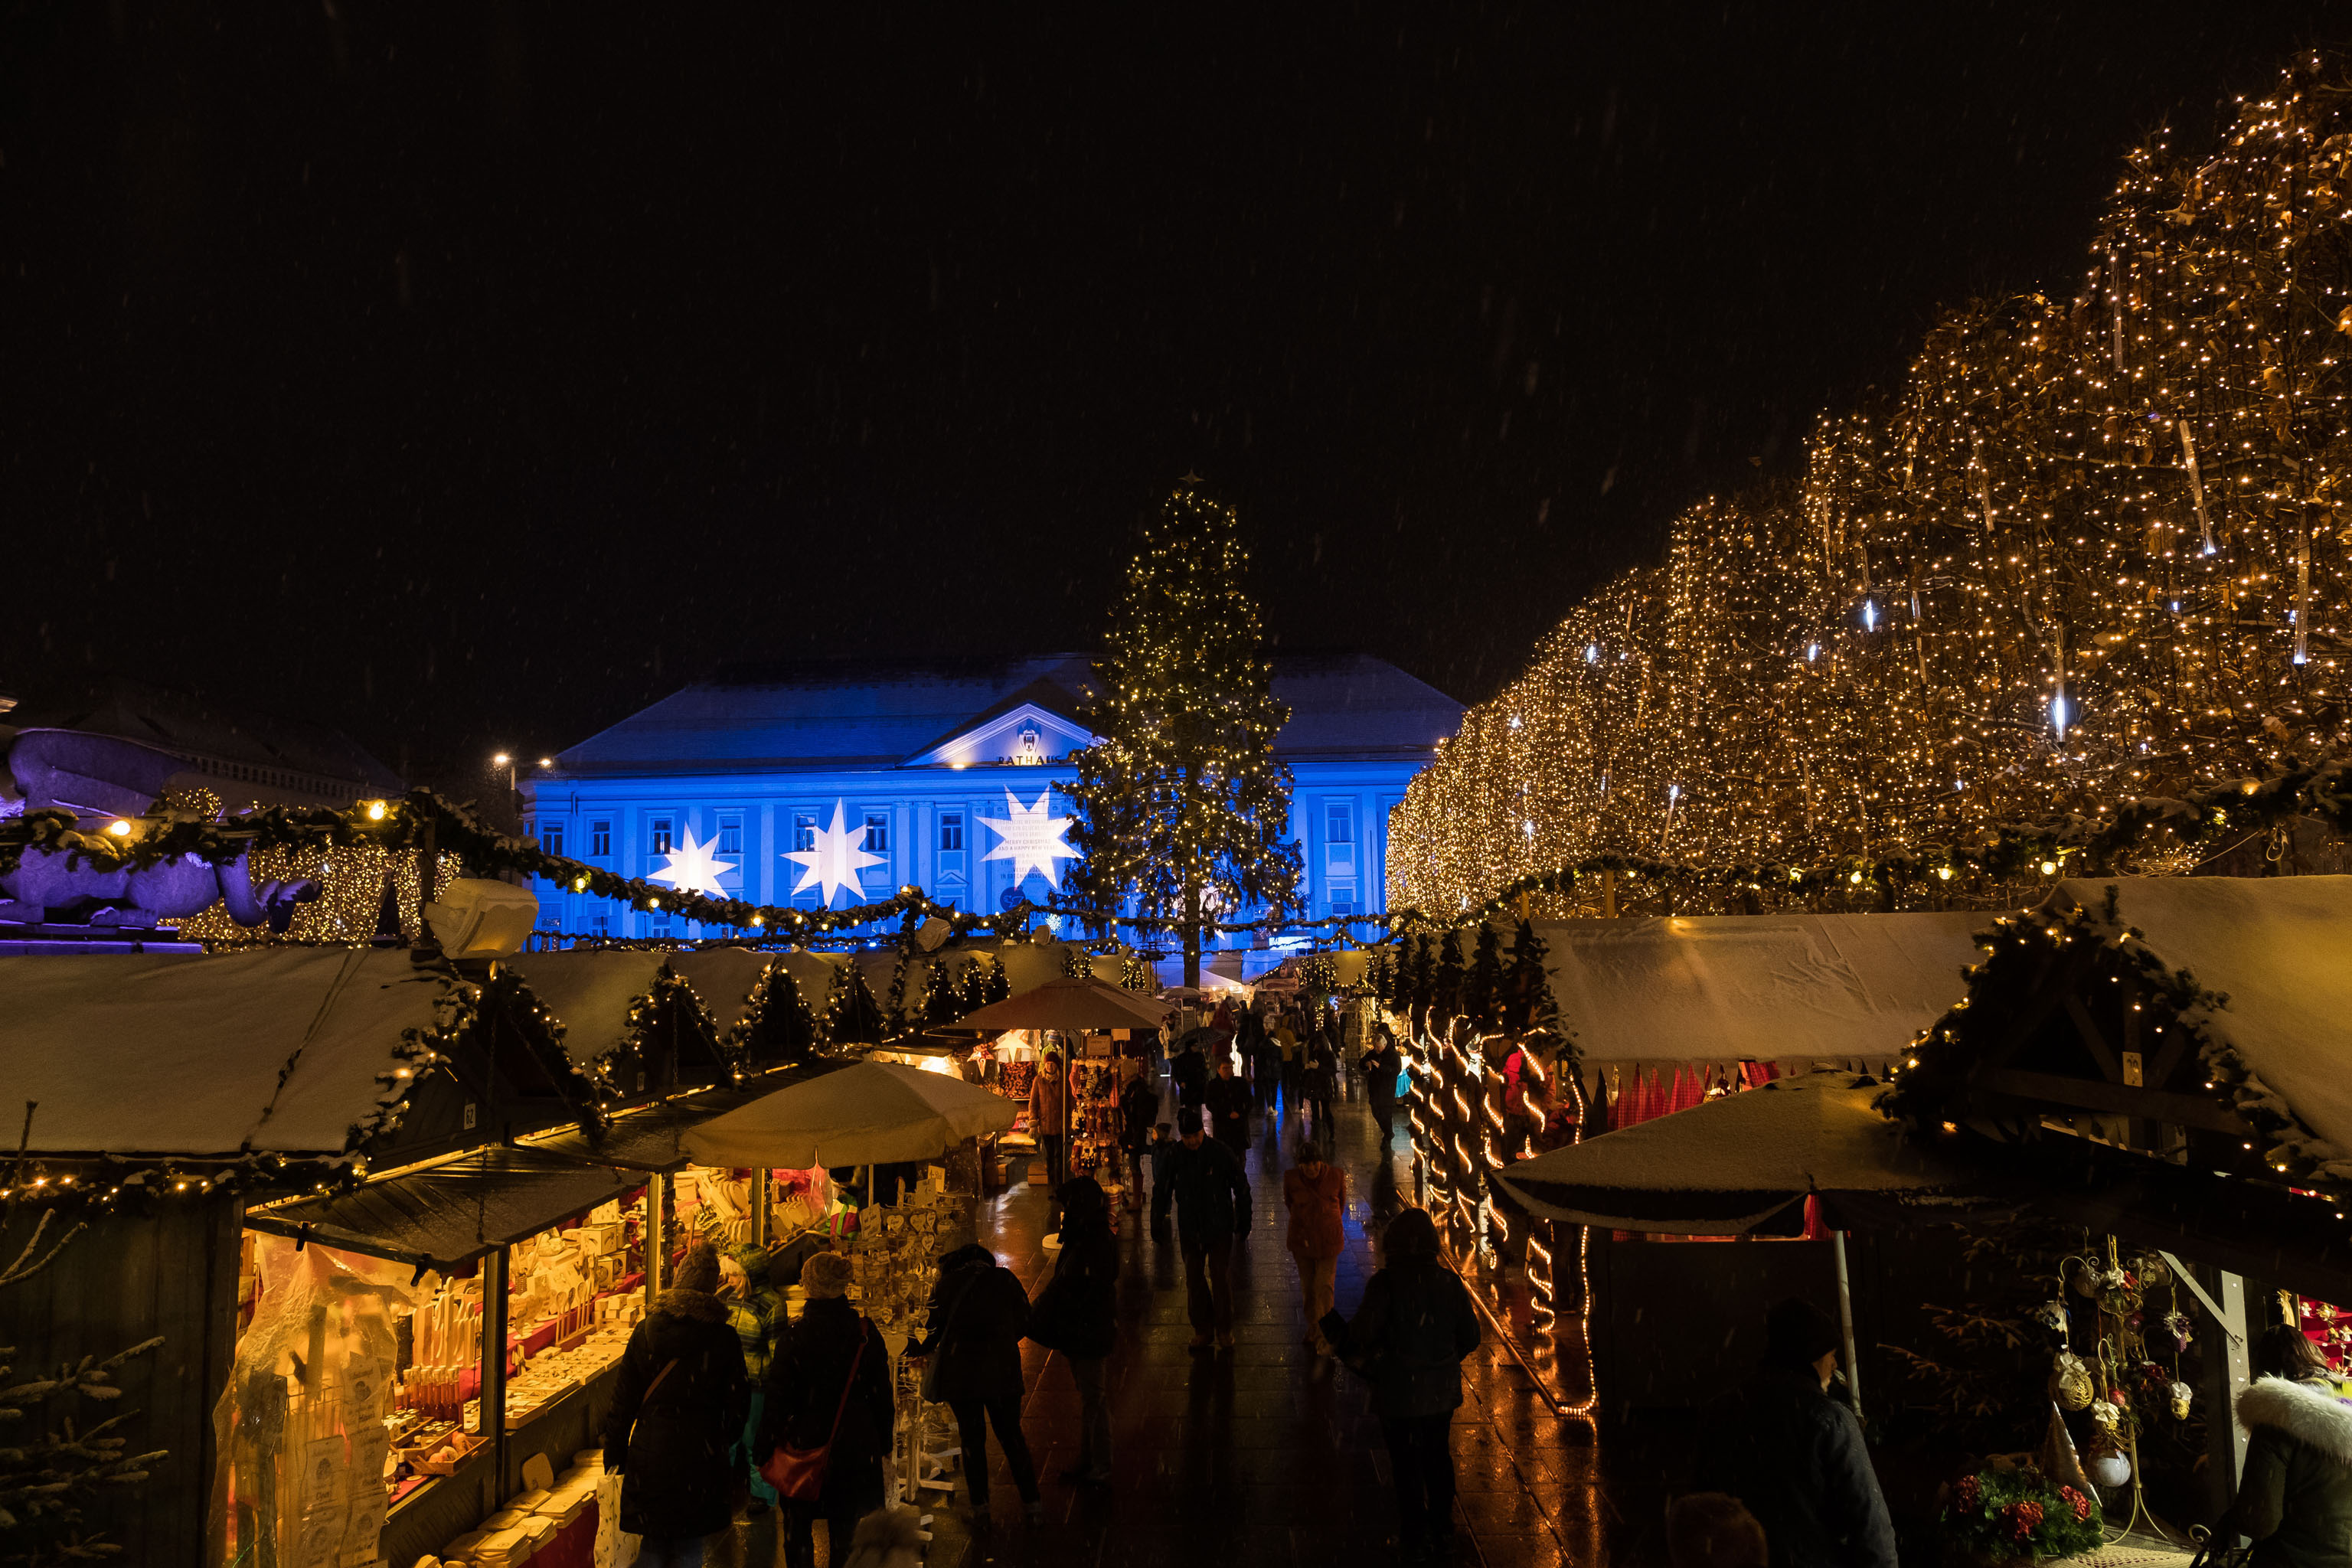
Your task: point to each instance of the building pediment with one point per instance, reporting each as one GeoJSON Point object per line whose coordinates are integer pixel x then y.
{"type": "Point", "coordinates": [1031, 727]}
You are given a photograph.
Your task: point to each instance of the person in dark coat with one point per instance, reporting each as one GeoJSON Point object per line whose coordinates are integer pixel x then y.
{"type": "Point", "coordinates": [1266, 1063]}
{"type": "Point", "coordinates": [1138, 1112]}
{"type": "Point", "coordinates": [1191, 1071]}
{"type": "Point", "coordinates": [2294, 1496]}
{"type": "Point", "coordinates": [809, 1385]}
{"type": "Point", "coordinates": [1075, 1315]}
{"type": "Point", "coordinates": [1212, 1198]}
{"type": "Point", "coordinates": [1228, 1102]}
{"type": "Point", "coordinates": [1410, 1333]}
{"type": "Point", "coordinates": [679, 1406]}
{"type": "Point", "coordinates": [978, 1315]}
{"type": "Point", "coordinates": [1381, 1065]}
{"type": "Point", "coordinates": [1779, 1444]}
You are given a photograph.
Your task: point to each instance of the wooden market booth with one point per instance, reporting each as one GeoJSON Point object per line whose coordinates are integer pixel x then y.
{"type": "Point", "coordinates": [182, 1100]}
{"type": "Point", "coordinates": [1662, 1013]}
{"type": "Point", "coordinates": [2169, 1061]}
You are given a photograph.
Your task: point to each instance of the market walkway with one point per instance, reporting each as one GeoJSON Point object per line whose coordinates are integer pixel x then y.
{"type": "Point", "coordinates": [1265, 1455]}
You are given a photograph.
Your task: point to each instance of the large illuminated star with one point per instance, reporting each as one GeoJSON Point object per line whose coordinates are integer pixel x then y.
{"type": "Point", "coordinates": [693, 868]}
{"type": "Point", "coordinates": [834, 861]}
{"type": "Point", "coordinates": [1031, 839]}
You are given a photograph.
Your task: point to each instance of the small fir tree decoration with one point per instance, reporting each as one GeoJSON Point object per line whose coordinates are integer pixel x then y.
{"type": "Point", "coordinates": [943, 995]}
{"type": "Point", "coordinates": [1445, 985]}
{"type": "Point", "coordinates": [1418, 986]}
{"type": "Point", "coordinates": [1184, 806]}
{"type": "Point", "coordinates": [1526, 1004]}
{"type": "Point", "coordinates": [894, 1014]}
{"type": "Point", "coordinates": [1482, 988]}
{"type": "Point", "coordinates": [995, 985]}
{"type": "Point", "coordinates": [781, 1027]}
{"type": "Point", "coordinates": [851, 1016]}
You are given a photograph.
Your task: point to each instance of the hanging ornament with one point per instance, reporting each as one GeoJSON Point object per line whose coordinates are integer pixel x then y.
{"type": "Point", "coordinates": [2181, 1394]}
{"type": "Point", "coordinates": [2070, 1383]}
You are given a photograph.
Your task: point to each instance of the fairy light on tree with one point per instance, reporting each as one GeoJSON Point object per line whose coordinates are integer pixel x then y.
{"type": "Point", "coordinates": [1184, 807]}
{"type": "Point", "coordinates": [2113, 518]}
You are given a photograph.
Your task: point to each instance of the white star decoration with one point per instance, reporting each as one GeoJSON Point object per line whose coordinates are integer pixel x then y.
{"type": "Point", "coordinates": [694, 868]}
{"type": "Point", "coordinates": [834, 861]}
{"type": "Point", "coordinates": [1031, 839]}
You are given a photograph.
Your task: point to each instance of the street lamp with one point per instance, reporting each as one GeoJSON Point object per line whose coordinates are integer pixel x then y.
{"type": "Point", "coordinates": [508, 762]}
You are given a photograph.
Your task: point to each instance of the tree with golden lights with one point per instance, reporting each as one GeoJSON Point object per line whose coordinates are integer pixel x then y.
{"type": "Point", "coordinates": [2089, 550]}
{"type": "Point", "coordinates": [1185, 810]}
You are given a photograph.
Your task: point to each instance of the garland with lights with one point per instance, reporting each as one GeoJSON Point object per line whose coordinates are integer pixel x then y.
{"type": "Point", "coordinates": [2147, 833]}
{"type": "Point", "coordinates": [1930, 1088]}
{"type": "Point", "coordinates": [2092, 549]}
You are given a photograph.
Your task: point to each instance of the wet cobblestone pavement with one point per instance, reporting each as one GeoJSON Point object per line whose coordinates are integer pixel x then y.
{"type": "Point", "coordinates": [1264, 1454]}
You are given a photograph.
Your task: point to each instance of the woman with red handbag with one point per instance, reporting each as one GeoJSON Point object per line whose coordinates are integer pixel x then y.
{"type": "Point", "coordinates": [827, 1430]}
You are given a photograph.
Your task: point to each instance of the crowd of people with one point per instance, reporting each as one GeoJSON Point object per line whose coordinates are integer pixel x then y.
{"type": "Point", "coordinates": [725, 1404]}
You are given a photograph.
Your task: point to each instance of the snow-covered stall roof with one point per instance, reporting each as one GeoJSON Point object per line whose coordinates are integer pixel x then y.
{"type": "Point", "coordinates": [2280, 950]}
{"type": "Point", "coordinates": [724, 977]}
{"type": "Point", "coordinates": [591, 992]}
{"type": "Point", "coordinates": [1792, 988]}
{"type": "Point", "coordinates": [284, 1050]}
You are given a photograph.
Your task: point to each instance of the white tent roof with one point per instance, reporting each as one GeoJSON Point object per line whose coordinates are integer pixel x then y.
{"type": "Point", "coordinates": [724, 977]}
{"type": "Point", "coordinates": [2280, 950]}
{"type": "Point", "coordinates": [155, 1052]}
{"type": "Point", "coordinates": [872, 1113]}
{"type": "Point", "coordinates": [591, 991]}
{"type": "Point", "coordinates": [1780, 988]}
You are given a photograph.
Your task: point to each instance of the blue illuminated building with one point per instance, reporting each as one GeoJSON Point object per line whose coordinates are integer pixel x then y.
{"type": "Point", "coordinates": [919, 757]}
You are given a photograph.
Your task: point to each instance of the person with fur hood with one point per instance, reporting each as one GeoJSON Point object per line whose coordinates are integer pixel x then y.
{"type": "Point", "coordinates": [679, 1406]}
{"type": "Point", "coordinates": [2294, 1496]}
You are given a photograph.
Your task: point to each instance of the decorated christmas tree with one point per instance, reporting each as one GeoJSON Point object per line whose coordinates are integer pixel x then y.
{"type": "Point", "coordinates": [1185, 809]}
{"type": "Point", "coordinates": [851, 1014]}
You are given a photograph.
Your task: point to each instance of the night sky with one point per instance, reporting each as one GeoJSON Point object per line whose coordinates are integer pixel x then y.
{"type": "Point", "coordinates": [469, 376]}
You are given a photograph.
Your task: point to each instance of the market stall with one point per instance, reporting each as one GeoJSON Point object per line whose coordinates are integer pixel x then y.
{"type": "Point", "coordinates": [1088, 1019]}
{"type": "Point", "coordinates": [2164, 1062]}
{"type": "Point", "coordinates": [510, 1213]}
{"type": "Point", "coordinates": [1522, 1040]}
{"type": "Point", "coordinates": [879, 1114]}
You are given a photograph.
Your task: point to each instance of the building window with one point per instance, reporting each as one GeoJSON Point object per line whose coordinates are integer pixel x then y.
{"type": "Point", "coordinates": [1343, 900]}
{"type": "Point", "coordinates": [657, 836]}
{"type": "Point", "coordinates": [1341, 819]}
{"type": "Point", "coordinates": [550, 838]}
{"type": "Point", "coordinates": [600, 925]}
{"type": "Point", "coordinates": [600, 838]}
{"type": "Point", "coordinates": [803, 832]}
{"type": "Point", "coordinates": [730, 836]}
{"type": "Point", "coordinates": [877, 833]}
{"type": "Point", "coordinates": [952, 830]}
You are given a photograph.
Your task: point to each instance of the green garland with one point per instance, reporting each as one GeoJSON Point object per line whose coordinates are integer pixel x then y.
{"type": "Point", "coordinates": [1932, 1086]}
{"type": "Point", "coordinates": [2319, 788]}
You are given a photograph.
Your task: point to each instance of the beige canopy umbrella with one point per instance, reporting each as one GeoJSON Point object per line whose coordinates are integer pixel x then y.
{"type": "Point", "coordinates": [1076, 1006]}
{"type": "Point", "coordinates": [1725, 1167]}
{"type": "Point", "coordinates": [875, 1113]}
